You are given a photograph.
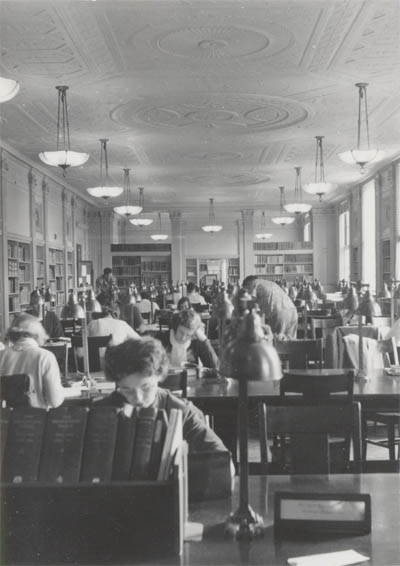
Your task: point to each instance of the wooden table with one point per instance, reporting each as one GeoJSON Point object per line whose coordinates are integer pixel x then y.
{"type": "Point", "coordinates": [382, 544]}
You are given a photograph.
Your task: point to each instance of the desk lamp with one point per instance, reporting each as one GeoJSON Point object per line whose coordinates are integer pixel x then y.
{"type": "Point", "coordinates": [92, 304]}
{"type": "Point", "coordinates": [247, 356]}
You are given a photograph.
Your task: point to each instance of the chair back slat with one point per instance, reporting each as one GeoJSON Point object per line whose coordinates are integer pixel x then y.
{"type": "Point", "coordinates": [299, 353]}
{"type": "Point", "coordinates": [316, 388]}
{"type": "Point", "coordinates": [308, 427]}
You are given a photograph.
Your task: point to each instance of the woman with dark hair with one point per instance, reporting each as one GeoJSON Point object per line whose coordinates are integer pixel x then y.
{"type": "Point", "coordinates": [24, 355]}
{"type": "Point", "coordinates": [184, 304]}
{"type": "Point", "coordinates": [187, 341]}
{"type": "Point", "coordinates": [137, 366]}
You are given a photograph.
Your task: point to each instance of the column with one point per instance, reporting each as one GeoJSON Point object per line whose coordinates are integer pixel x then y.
{"type": "Point", "coordinates": [326, 253]}
{"type": "Point", "coordinates": [4, 321]}
{"type": "Point", "coordinates": [246, 239]}
{"type": "Point", "coordinates": [178, 249]}
{"type": "Point", "coordinates": [45, 192]}
{"type": "Point", "coordinates": [73, 240]}
{"type": "Point", "coordinates": [32, 181]}
{"type": "Point", "coordinates": [396, 221]}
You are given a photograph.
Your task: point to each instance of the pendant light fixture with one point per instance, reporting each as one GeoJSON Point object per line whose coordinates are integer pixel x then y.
{"type": "Point", "coordinates": [297, 205]}
{"type": "Point", "coordinates": [63, 156]}
{"type": "Point", "coordinates": [263, 234]}
{"type": "Point", "coordinates": [127, 209]}
{"type": "Point", "coordinates": [211, 227]}
{"type": "Point", "coordinates": [141, 220]}
{"type": "Point", "coordinates": [8, 89]}
{"type": "Point", "coordinates": [160, 236]}
{"type": "Point", "coordinates": [363, 154]}
{"type": "Point", "coordinates": [105, 190]}
{"type": "Point", "coordinates": [283, 219]}
{"type": "Point", "coordinates": [319, 187]}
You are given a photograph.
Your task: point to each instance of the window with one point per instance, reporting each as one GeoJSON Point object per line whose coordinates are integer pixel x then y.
{"type": "Point", "coordinates": [344, 245]}
{"type": "Point", "coordinates": [368, 235]}
{"type": "Point", "coordinates": [307, 231]}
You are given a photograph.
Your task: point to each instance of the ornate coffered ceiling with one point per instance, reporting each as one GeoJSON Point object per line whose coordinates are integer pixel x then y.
{"type": "Point", "coordinates": [219, 98]}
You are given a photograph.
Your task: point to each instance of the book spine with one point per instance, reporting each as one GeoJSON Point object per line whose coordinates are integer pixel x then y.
{"type": "Point", "coordinates": [143, 443]}
{"type": "Point", "coordinates": [99, 445]}
{"type": "Point", "coordinates": [23, 445]}
{"type": "Point", "coordinates": [160, 431]}
{"type": "Point", "coordinates": [124, 447]}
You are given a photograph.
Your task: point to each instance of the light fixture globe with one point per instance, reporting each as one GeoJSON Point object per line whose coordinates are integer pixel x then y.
{"type": "Point", "coordinates": [63, 156]}
{"type": "Point", "coordinates": [127, 209]}
{"type": "Point", "coordinates": [363, 154]}
{"type": "Point", "coordinates": [297, 206]}
{"type": "Point", "coordinates": [283, 219]}
{"type": "Point", "coordinates": [211, 227]}
{"type": "Point", "coordinates": [141, 222]}
{"type": "Point", "coordinates": [104, 190]}
{"type": "Point", "coordinates": [8, 89]}
{"type": "Point", "coordinates": [319, 187]}
{"type": "Point", "coordinates": [263, 234]}
{"type": "Point", "coordinates": [160, 235]}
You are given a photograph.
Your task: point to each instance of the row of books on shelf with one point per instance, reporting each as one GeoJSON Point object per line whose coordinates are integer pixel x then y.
{"type": "Point", "coordinates": [271, 259]}
{"type": "Point", "coordinates": [56, 271]}
{"type": "Point", "coordinates": [13, 267]}
{"type": "Point", "coordinates": [127, 271]}
{"type": "Point", "coordinates": [13, 304]}
{"type": "Point", "coordinates": [72, 444]}
{"type": "Point", "coordinates": [282, 246]}
{"type": "Point", "coordinates": [56, 256]}
{"type": "Point", "coordinates": [125, 260]}
{"type": "Point", "coordinates": [155, 266]}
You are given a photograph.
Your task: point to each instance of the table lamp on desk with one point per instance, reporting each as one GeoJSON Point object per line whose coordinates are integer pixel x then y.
{"type": "Point", "coordinates": [247, 356]}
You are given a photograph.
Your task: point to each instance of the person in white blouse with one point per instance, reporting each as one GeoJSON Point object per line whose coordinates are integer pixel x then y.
{"type": "Point", "coordinates": [194, 296]}
{"type": "Point", "coordinates": [24, 355]}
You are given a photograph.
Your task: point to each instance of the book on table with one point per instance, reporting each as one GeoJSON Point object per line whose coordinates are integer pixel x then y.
{"type": "Point", "coordinates": [99, 445]}
{"type": "Point", "coordinates": [23, 445]}
{"type": "Point", "coordinates": [145, 424]}
{"type": "Point", "coordinates": [124, 446]}
{"type": "Point", "coordinates": [63, 439]}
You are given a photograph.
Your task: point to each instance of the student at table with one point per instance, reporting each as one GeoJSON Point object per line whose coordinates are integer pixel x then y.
{"type": "Point", "coordinates": [49, 319]}
{"type": "Point", "coordinates": [137, 366]}
{"type": "Point", "coordinates": [277, 307]}
{"type": "Point", "coordinates": [187, 342]}
{"type": "Point", "coordinates": [194, 296]}
{"type": "Point", "coordinates": [184, 304]}
{"type": "Point", "coordinates": [146, 306]}
{"type": "Point", "coordinates": [129, 312]}
{"type": "Point", "coordinates": [107, 324]}
{"type": "Point", "coordinates": [24, 355]}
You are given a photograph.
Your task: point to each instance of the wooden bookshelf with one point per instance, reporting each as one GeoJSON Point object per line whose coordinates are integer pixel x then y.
{"type": "Point", "coordinates": [40, 282]}
{"type": "Point", "coordinates": [386, 261]}
{"type": "Point", "coordinates": [233, 270]}
{"type": "Point", "coordinates": [284, 260]}
{"type": "Point", "coordinates": [142, 264]}
{"type": "Point", "coordinates": [56, 275]}
{"type": "Point", "coordinates": [355, 264]}
{"type": "Point", "coordinates": [19, 276]}
{"type": "Point", "coordinates": [192, 273]}
{"type": "Point", "coordinates": [70, 270]}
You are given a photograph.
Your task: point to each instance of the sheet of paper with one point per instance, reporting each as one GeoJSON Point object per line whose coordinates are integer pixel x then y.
{"type": "Point", "coordinates": [193, 531]}
{"type": "Point", "coordinates": [341, 558]}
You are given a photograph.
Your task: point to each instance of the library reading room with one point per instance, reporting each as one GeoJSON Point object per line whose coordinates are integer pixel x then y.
{"type": "Point", "coordinates": [200, 282]}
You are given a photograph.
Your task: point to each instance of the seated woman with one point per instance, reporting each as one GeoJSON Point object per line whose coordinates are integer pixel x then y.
{"type": "Point", "coordinates": [184, 304]}
{"type": "Point", "coordinates": [129, 312]}
{"type": "Point", "coordinates": [108, 323]}
{"type": "Point", "coordinates": [187, 341]}
{"type": "Point", "coordinates": [137, 366]}
{"type": "Point", "coordinates": [24, 355]}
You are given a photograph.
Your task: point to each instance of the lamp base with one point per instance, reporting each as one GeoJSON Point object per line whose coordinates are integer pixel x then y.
{"type": "Point", "coordinates": [244, 525]}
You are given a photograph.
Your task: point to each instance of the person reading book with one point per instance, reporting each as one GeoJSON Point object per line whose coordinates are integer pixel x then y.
{"type": "Point", "coordinates": [24, 355]}
{"type": "Point", "coordinates": [137, 367]}
{"type": "Point", "coordinates": [187, 341]}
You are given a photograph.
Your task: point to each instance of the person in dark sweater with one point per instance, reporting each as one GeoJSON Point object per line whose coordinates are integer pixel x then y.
{"type": "Point", "coordinates": [187, 342]}
{"type": "Point", "coordinates": [137, 366]}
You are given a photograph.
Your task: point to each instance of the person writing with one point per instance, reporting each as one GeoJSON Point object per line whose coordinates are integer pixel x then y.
{"type": "Point", "coordinates": [24, 355]}
{"type": "Point", "coordinates": [277, 307]}
{"type": "Point", "coordinates": [137, 367]}
{"type": "Point", "coordinates": [187, 342]}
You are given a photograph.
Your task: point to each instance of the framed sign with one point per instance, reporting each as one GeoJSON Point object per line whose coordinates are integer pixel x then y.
{"type": "Point", "coordinates": [316, 513]}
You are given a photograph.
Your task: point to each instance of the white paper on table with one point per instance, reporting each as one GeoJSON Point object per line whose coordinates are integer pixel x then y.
{"type": "Point", "coordinates": [341, 558]}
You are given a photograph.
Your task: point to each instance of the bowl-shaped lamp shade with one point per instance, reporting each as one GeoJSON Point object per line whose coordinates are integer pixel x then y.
{"type": "Point", "coordinates": [300, 207]}
{"type": "Point", "coordinates": [159, 237]}
{"type": "Point", "coordinates": [283, 220]}
{"type": "Point", "coordinates": [361, 156]}
{"type": "Point", "coordinates": [127, 209]}
{"type": "Point", "coordinates": [319, 188]}
{"type": "Point", "coordinates": [263, 235]}
{"type": "Point", "coordinates": [104, 191]}
{"type": "Point", "coordinates": [212, 228]}
{"type": "Point", "coordinates": [141, 221]}
{"type": "Point", "coordinates": [8, 89]}
{"type": "Point", "coordinates": [63, 158]}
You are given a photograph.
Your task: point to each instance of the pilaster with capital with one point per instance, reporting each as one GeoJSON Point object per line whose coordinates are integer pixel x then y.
{"type": "Point", "coordinates": [32, 182]}
{"type": "Point", "coordinates": [326, 253]}
{"type": "Point", "coordinates": [396, 219]}
{"type": "Point", "coordinates": [246, 241]}
{"type": "Point", "coordinates": [178, 246]}
{"type": "Point", "coordinates": [45, 193]}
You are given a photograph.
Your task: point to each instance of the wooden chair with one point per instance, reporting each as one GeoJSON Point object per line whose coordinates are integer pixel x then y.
{"type": "Point", "coordinates": [61, 353]}
{"type": "Point", "coordinates": [322, 326]}
{"type": "Point", "coordinates": [300, 354]}
{"type": "Point", "coordinates": [164, 319]}
{"type": "Point", "coordinates": [14, 389]}
{"type": "Point", "coordinates": [94, 345]}
{"type": "Point", "coordinates": [200, 308]}
{"type": "Point", "coordinates": [176, 382]}
{"type": "Point", "coordinates": [309, 427]}
{"type": "Point", "coordinates": [318, 388]}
